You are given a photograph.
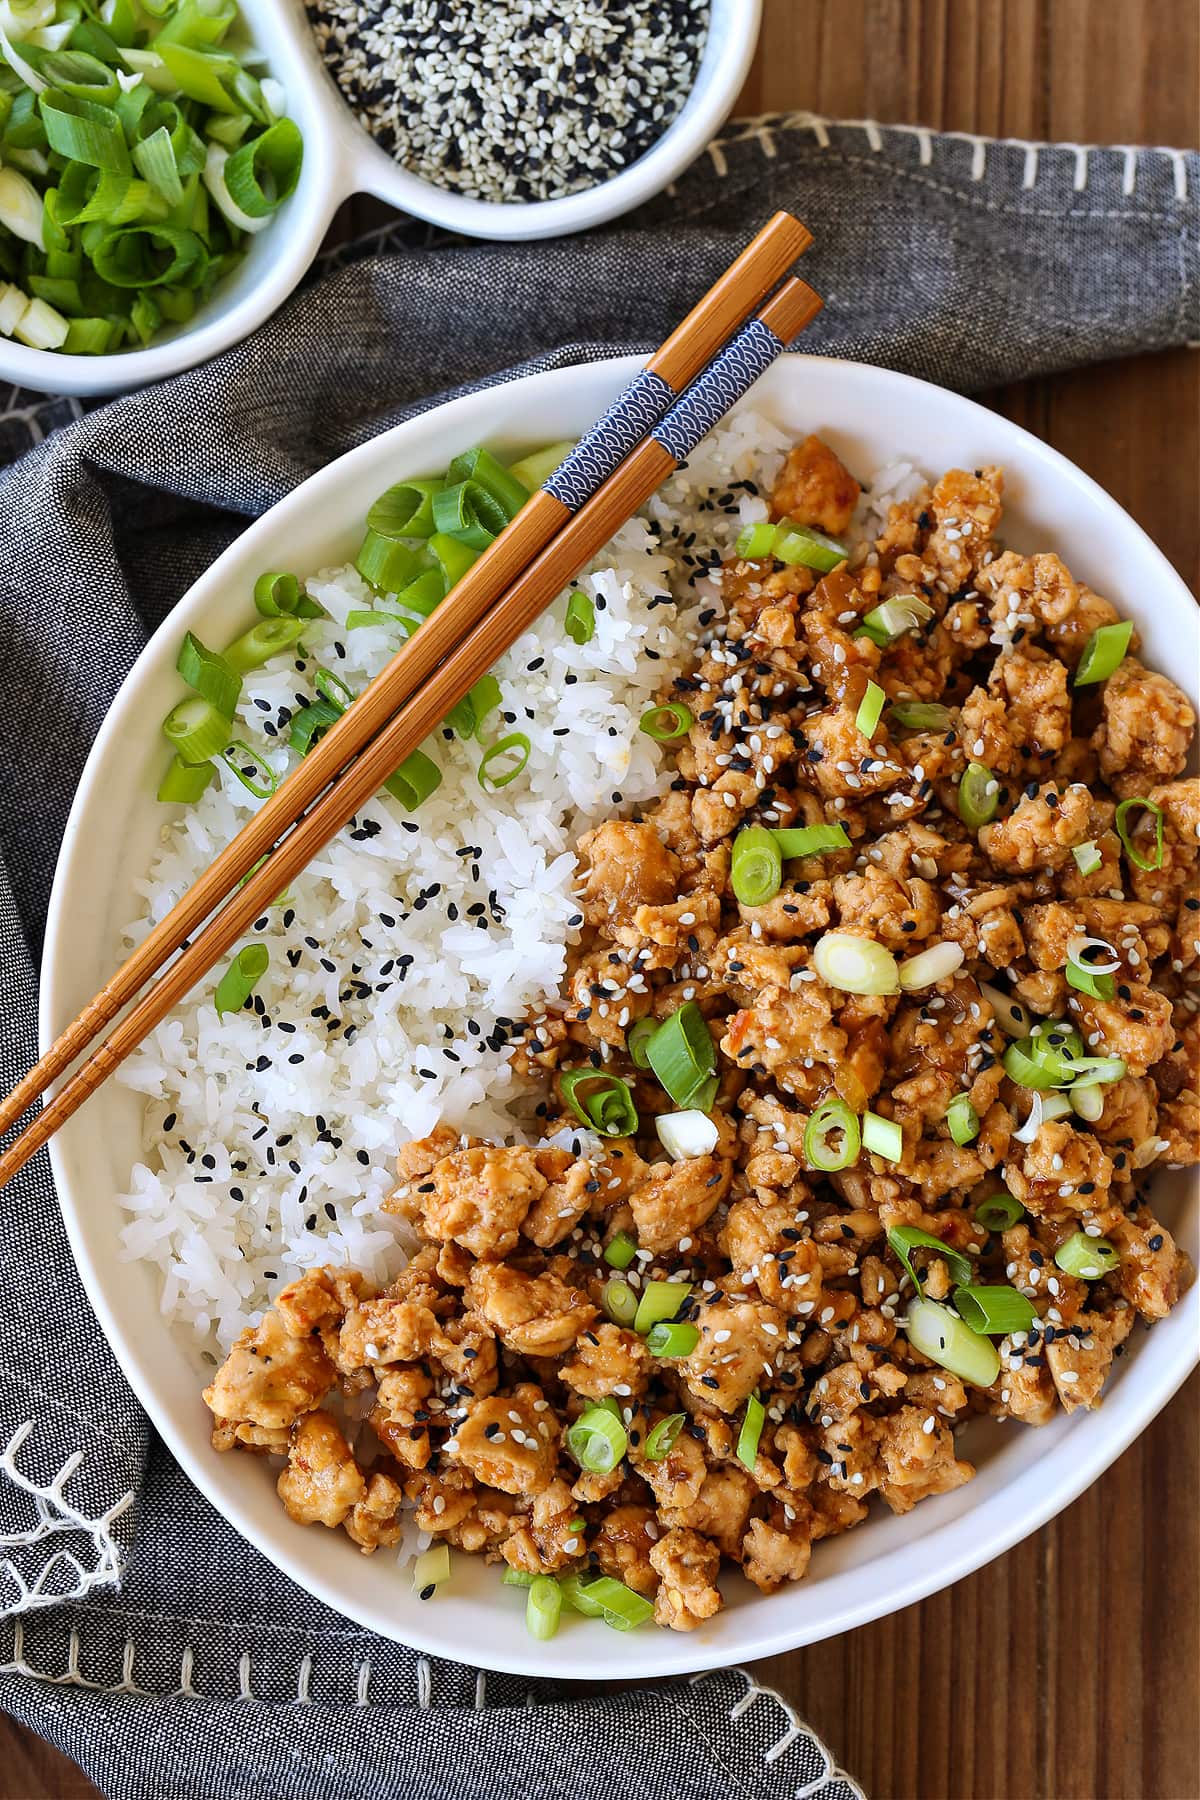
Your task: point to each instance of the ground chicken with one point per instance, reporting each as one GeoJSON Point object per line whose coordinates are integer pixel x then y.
{"type": "Point", "coordinates": [270, 1378]}
{"type": "Point", "coordinates": [322, 1481]}
{"type": "Point", "coordinates": [509, 1441]}
{"type": "Point", "coordinates": [687, 1566]}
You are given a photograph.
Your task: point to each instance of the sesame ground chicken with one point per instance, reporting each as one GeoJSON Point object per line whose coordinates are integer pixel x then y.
{"type": "Point", "coordinates": [877, 1027]}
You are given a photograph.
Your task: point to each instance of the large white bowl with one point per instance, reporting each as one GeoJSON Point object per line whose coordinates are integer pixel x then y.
{"type": "Point", "coordinates": [1025, 1476]}
{"type": "Point", "coordinates": [341, 159]}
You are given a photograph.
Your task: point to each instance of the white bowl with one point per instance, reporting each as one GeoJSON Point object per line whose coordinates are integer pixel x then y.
{"type": "Point", "coordinates": [1025, 1476]}
{"type": "Point", "coordinates": [341, 159]}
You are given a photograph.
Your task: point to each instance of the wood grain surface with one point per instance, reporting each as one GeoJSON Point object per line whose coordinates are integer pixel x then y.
{"type": "Point", "coordinates": [1067, 1670]}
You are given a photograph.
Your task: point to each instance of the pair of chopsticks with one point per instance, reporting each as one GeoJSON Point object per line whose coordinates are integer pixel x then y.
{"type": "Point", "coordinates": [700, 372]}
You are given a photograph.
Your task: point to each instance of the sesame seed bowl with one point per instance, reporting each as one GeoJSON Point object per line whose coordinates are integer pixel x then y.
{"type": "Point", "coordinates": [869, 416]}
{"type": "Point", "coordinates": [342, 159]}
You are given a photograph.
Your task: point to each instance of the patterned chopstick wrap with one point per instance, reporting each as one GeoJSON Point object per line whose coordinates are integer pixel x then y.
{"type": "Point", "coordinates": [730, 375]}
{"type": "Point", "coordinates": [615, 435]}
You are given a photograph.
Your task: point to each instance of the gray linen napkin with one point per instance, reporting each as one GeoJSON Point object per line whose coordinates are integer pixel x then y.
{"type": "Point", "coordinates": [141, 1634]}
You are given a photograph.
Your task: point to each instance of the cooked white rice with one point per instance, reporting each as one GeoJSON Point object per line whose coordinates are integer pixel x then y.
{"type": "Point", "coordinates": [400, 955]}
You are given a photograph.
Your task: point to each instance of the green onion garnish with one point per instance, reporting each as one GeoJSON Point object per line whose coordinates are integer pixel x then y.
{"type": "Point", "coordinates": [601, 1101]}
{"type": "Point", "coordinates": [962, 1120]}
{"type": "Point", "coordinates": [1087, 1258]}
{"type": "Point", "coordinates": [659, 1300]}
{"type": "Point", "coordinates": [948, 1341]}
{"type": "Point", "coordinates": [882, 1136]}
{"type": "Point", "coordinates": [667, 722]}
{"type": "Point", "coordinates": [1033, 1067]}
{"type": "Point", "coordinates": [1088, 858]}
{"type": "Point", "coordinates": [801, 544]}
{"type": "Point", "coordinates": [832, 1121]}
{"type": "Point", "coordinates": [573, 1588]}
{"type": "Point", "coordinates": [280, 596]}
{"type": "Point", "coordinates": [752, 1426]}
{"type": "Point", "coordinates": [619, 1301]}
{"type": "Point", "coordinates": [756, 869]}
{"type": "Point", "coordinates": [210, 674]}
{"type": "Point", "coordinates": [978, 796]}
{"type": "Point", "coordinates": [597, 1440]}
{"type": "Point", "coordinates": [810, 840]}
{"type": "Point", "coordinates": [1103, 653]}
{"type": "Point", "coordinates": [310, 723]}
{"type": "Point", "coordinates": [261, 642]}
{"type": "Point", "coordinates": [468, 512]}
{"type": "Point", "coordinates": [672, 1338]}
{"type": "Point", "coordinates": [534, 470]}
{"type": "Point", "coordinates": [519, 1578]}
{"type": "Point", "coordinates": [1132, 852]}
{"type": "Point", "coordinates": [453, 558]}
{"type": "Point", "coordinates": [417, 777]}
{"type": "Point", "coordinates": [636, 1039]}
{"type": "Point", "coordinates": [1088, 981]}
{"type": "Point", "coordinates": [756, 542]}
{"type": "Point", "coordinates": [660, 1441]}
{"type": "Point", "coordinates": [616, 1604]}
{"type": "Point", "coordinates": [542, 1608]}
{"type": "Point", "coordinates": [197, 729]}
{"type": "Point", "coordinates": [255, 775]}
{"type": "Point", "coordinates": [855, 965]}
{"type": "Point", "coordinates": [511, 753]}
{"type": "Point", "coordinates": [424, 595]}
{"type": "Point", "coordinates": [185, 782]}
{"type": "Point", "coordinates": [994, 1311]}
{"type": "Point", "coordinates": [681, 1053]}
{"type": "Point", "coordinates": [904, 1239]}
{"type": "Point", "coordinates": [1086, 1100]}
{"type": "Point", "coordinates": [885, 623]}
{"type": "Point", "coordinates": [919, 715]}
{"type": "Point", "coordinates": [360, 617]}
{"type": "Point", "coordinates": [580, 620]}
{"type": "Point", "coordinates": [998, 1212]}
{"type": "Point", "coordinates": [620, 1250]}
{"type": "Point", "coordinates": [481, 467]}
{"type": "Point", "coordinates": [241, 978]}
{"type": "Point", "coordinates": [870, 709]}
{"type": "Point", "coordinates": [332, 688]}
{"type": "Point", "coordinates": [431, 1568]}
{"type": "Point", "coordinates": [406, 510]}
{"type": "Point", "coordinates": [385, 563]}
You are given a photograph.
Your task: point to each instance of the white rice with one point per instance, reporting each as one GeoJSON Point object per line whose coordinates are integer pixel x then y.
{"type": "Point", "coordinates": [270, 1135]}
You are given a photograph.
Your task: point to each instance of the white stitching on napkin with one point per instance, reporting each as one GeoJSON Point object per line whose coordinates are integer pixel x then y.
{"type": "Point", "coordinates": [793, 1728]}
{"type": "Point", "coordinates": [55, 1515]}
{"type": "Point", "coordinates": [71, 1676]}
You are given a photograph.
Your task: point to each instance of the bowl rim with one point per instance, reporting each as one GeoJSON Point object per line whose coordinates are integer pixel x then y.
{"type": "Point", "coordinates": [1128, 1409]}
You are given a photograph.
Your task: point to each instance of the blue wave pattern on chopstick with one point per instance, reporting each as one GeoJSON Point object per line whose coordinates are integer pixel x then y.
{"type": "Point", "coordinates": [603, 448]}
{"type": "Point", "coordinates": [730, 375]}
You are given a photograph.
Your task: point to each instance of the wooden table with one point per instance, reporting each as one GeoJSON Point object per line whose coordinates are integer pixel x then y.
{"type": "Point", "coordinates": [1068, 1669]}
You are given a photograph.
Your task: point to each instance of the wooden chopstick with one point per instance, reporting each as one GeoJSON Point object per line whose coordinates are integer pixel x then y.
{"type": "Point", "coordinates": [784, 315]}
{"type": "Point", "coordinates": [731, 299]}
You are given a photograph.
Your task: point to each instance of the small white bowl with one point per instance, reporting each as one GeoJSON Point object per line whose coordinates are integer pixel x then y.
{"type": "Point", "coordinates": [1025, 1476]}
{"type": "Point", "coordinates": [341, 159]}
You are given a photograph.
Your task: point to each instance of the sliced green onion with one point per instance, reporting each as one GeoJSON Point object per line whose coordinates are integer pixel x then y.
{"type": "Point", "coordinates": [948, 1341]}
{"type": "Point", "coordinates": [756, 542]}
{"type": "Point", "coordinates": [468, 716]}
{"type": "Point", "coordinates": [999, 1212]}
{"type": "Point", "coordinates": [810, 840]}
{"type": "Point", "coordinates": [197, 729]}
{"type": "Point", "coordinates": [21, 210]}
{"type": "Point", "coordinates": [241, 978]}
{"type": "Point", "coordinates": [690, 1133]}
{"type": "Point", "coordinates": [661, 1439]}
{"type": "Point", "coordinates": [1096, 1071]}
{"type": "Point", "coordinates": [882, 1136]}
{"type": "Point", "coordinates": [1049, 1069]}
{"type": "Point", "coordinates": [453, 557]}
{"type": "Point", "coordinates": [213, 678]}
{"type": "Point", "coordinates": [796, 543]}
{"type": "Point", "coordinates": [480, 466]}
{"type": "Point", "coordinates": [543, 1607]}
{"type": "Point", "coordinates": [512, 753]}
{"type": "Point", "coordinates": [254, 774]}
{"type": "Point", "coordinates": [601, 1101]}
{"type": "Point", "coordinates": [978, 796]}
{"type": "Point", "coordinates": [1057, 1034]}
{"type": "Point", "coordinates": [1042, 1108]}
{"type": "Point", "coordinates": [919, 715]}
{"type": "Point", "coordinates": [431, 1568]}
{"type": "Point", "coordinates": [855, 965]}
{"type": "Point", "coordinates": [361, 617]}
{"type": "Point", "coordinates": [573, 1588]}
{"type": "Point", "coordinates": [870, 709]}
{"type": "Point", "coordinates": [331, 687]}
{"type": "Point", "coordinates": [41, 327]}
{"type": "Point", "coordinates": [672, 1338]}
{"type": "Point", "coordinates": [310, 723]}
{"type": "Point", "coordinates": [535, 469]}
{"type": "Point", "coordinates": [406, 510]}
{"type": "Point", "coordinates": [821, 1132]}
{"type": "Point", "coordinates": [262, 173]}
{"type": "Point", "coordinates": [1088, 858]}
{"type": "Point", "coordinates": [580, 619]}
{"type": "Point", "coordinates": [1087, 1100]}
{"type": "Point", "coordinates": [1103, 653]}
{"type": "Point", "coordinates": [668, 722]}
{"type": "Point", "coordinates": [994, 1311]}
{"type": "Point", "coordinates": [469, 513]}
{"type": "Point", "coordinates": [903, 612]}
{"type": "Point", "coordinates": [1012, 1019]}
{"type": "Point", "coordinates": [962, 1120]}
{"type": "Point", "coordinates": [424, 595]}
{"type": "Point", "coordinates": [930, 966]}
{"type": "Point", "coordinates": [1087, 981]}
{"type": "Point", "coordinates": [756, 868]}
{"type": "Point", "coordinates": [681, 1053]}
{"type": "Point", "coordinates": [620, 1250]}
{"type": "Point", "coordinates": [412, 783]}
{"type": "Point", "coordinates": [279, 596]}
{"type": "Point", "coordinates": [619, 1606]}
{"type": "Point", "coordinates": [1087, 1258]}
{"type": "Point", "coordinates": [1135, 856]}
{"type": "Point", "coordinates": [619, 1301]}
{"type": "Point", "coordinates": [659, 1300]}
{"type": "Point", "coordinates": [904, 1239]}
{"type": "Point", "coordinates": [636, 1039]}
{"type": "Point", "coordinates": [752, 1427]}
{"type": "Point", "coordinates": [185, 782]}
{"type": "Point", "coordinates": [518, 1578]}
{"type": "Point", "coordinates": [597, 1440]}
{"type": "Point", "coordinates": [386, 563]}
{"type": "Point", "coordinates": [263, 641]}
{"type": "Point", "coordinates": [84, 132]}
